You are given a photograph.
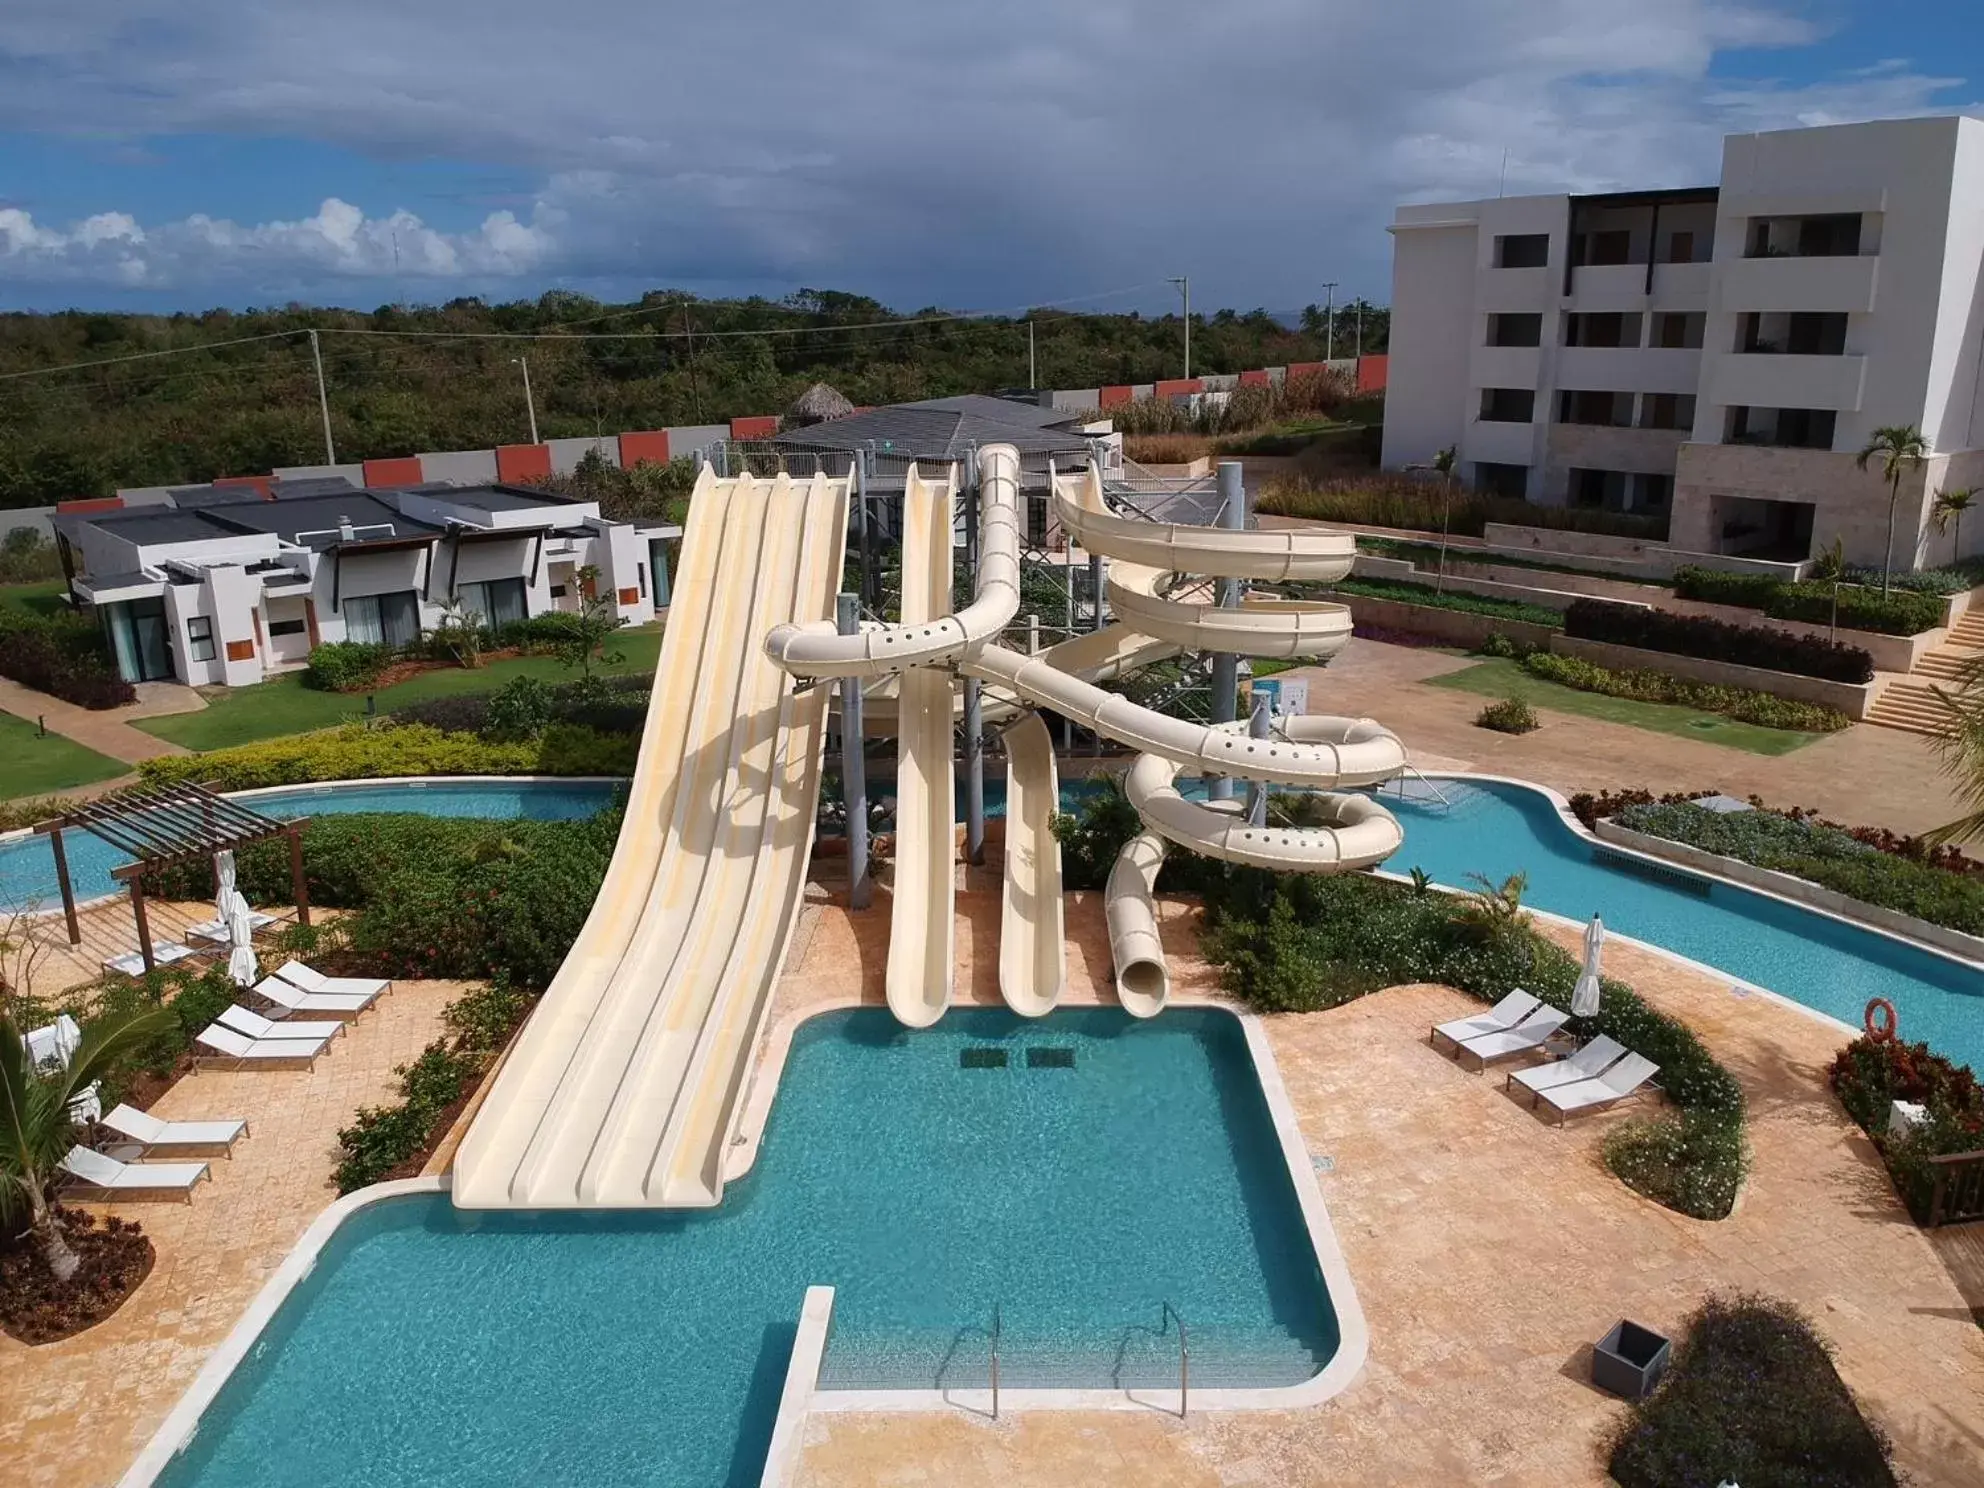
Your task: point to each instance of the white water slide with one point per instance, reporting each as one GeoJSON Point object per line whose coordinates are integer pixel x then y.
{"type": "Point", "coordinates": [1153, 562]}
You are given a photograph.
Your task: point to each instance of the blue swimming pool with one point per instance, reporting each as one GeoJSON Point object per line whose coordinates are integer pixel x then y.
{"type": "Point", "coordinates": [1498, 829]}
{"type": "Point", "coordinates": [1078, 1193]}
{"type": "Point", "coordinates": [27, 869]}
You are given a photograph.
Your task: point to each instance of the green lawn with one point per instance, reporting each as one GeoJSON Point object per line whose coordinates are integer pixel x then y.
{"type": "Point", "coordinates": [1501, 678]}
{"type": "Point", "coordinates": [43, 596]}
{"type": "Point", "coordinates": [36, 765]}
{"type": "Point", "coordinates": [241, 715]}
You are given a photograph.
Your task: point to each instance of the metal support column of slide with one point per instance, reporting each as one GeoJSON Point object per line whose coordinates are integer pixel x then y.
{"type": "Point", "coordinates": [1226, 666]}
{"type": "Point", "coordinates": [853, 766]}
{"type": "Point", "coordinates": [861, 589]}
{"type": "Point", "coordinates": [1258, 723]}
{"type": "Point", "coordinates": [974, 715]}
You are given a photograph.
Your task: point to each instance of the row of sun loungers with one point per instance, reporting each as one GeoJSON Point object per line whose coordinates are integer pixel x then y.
{"type": "Point", "coordinates": [242, 1038]}
{"type": "Point", "coordinates": [1600, 1074]}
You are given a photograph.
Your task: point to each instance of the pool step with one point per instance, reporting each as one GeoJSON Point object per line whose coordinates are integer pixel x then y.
{"type": "Point", "coordinates": [1134, 1357]}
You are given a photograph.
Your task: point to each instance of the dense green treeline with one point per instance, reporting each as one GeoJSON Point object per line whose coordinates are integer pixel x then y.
{"type": "Point", "coordinates": [668, 359]}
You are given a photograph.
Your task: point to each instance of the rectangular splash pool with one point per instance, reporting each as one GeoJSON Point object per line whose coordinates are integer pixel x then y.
{"type": "Point", "coordinates": [1103, 1168]}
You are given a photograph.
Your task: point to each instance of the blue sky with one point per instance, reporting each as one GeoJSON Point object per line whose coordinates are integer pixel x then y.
{"type": "Point", "coordinates": [174, 154]}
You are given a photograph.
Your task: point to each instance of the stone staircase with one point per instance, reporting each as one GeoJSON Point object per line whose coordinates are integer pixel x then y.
{"type": "Point", "coordinates": [1910, 703]}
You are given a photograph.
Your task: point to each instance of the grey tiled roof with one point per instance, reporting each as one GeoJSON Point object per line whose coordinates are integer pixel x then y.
{"type": "Point", "coordinates": [944, 428]}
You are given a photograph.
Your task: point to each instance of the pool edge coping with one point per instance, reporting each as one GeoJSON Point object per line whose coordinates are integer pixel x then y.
{"type": "Point", "coordinates": [1353, 1329]}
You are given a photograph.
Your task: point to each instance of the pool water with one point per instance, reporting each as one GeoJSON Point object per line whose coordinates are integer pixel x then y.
{"type": "Point", "coordinates": [436, 1348]}
{"type": "Point", "coordinates": [27, 866]}
{"type": "Point", "coordinates": [1497, 829]}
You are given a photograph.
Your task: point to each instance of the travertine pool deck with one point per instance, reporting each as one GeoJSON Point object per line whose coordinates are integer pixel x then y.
{"type": "Point", "coordinates": [1487, 1249]}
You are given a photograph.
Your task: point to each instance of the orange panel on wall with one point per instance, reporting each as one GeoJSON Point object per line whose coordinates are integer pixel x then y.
{"type": "Point", "coordinates": [240, 650]}
{"type": "Point", "coordinates": [404, 471]}
{"type": "Point", "coordinates": [1307, 369]}
{"type": "Point", "coordinates": [91, 504]}
{"type": "Point", "coordinates": [522, 462]}
{"type": "Point", "coordinates": [757, 426]}
{"type": "Point", "coordinates": [1371, 372]}
{"type": "Point", "coordinates": [1256, 378]}
{"type": "Point", "coordinates": [1112, 397]}
{"type": "Point", "coordinates": [648, 444]}
{"type": "Point", "coordinates": [1178, 386]}
{"type": "Point", "coordinates": [630, 596]}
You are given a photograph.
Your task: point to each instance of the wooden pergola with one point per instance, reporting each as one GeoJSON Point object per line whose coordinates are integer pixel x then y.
{"type": "Point", "coordinates": [159, 825]}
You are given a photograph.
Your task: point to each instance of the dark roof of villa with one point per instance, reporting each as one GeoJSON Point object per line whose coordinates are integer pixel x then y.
{"type": "Point", "coordinates": [944, 428]}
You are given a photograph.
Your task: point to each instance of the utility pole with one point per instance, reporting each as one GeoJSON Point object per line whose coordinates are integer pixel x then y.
{"type": "Point", "coordinates": [1329, 323]}
{"type": "Point", "coordinates": [1360, 328]}
{"type": "Point", "coordinates": [689, 339]}
{"type": "Point", "coordinates": [530, 403]}
{"type": "Point", "coordinates": [323, 401]}
{"type": "Point", "coordinates": [1185, 288]}
{"type": "Point", "coordinates": [1032, 369]}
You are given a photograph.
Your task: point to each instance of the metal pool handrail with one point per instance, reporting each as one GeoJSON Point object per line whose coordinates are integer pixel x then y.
{"type": "Point", "coordinates": [1168, 1316]}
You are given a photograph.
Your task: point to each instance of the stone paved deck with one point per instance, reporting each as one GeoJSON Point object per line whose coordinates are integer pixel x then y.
{"type": "Point", "coordinates": [76, 1413]}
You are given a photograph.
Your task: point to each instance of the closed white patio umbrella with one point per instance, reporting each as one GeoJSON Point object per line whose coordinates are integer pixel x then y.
{"type": "Point", "coordinates": [241, 963]}
{"type": "Point", "coordinates": [224, 876]}
{"type": "Point", "coordinates": [1584, 1001]}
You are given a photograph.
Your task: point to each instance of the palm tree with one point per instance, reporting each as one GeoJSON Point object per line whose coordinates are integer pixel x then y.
{"type": "Point", "coordinates": [1444, 462]}
{"type": "Point", "coordinates": [1900, 448]}
{"type": "Point", "coordinates": [36, 1129]}
{"type": "Point", "coordinates": [1961, 746]}
{"type": "Point", "coordinates": [1493, 910]}
{"type": "Point", "coordinates": [1949, 509]}
{"type": "Point", "coordinates": [1829, 567]}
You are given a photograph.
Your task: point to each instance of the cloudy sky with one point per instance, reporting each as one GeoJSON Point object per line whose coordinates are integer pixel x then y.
{"type": "Point", "coordinates": [182, 153]}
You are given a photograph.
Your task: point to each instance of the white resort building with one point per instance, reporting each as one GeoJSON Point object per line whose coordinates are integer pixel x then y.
{"type": "Point", "coordinates": [1719, 353]}
{"type": "Point", "coordinates": [229, 583]}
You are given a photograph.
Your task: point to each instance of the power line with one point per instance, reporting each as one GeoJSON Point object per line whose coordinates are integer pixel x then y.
{"type": "Point", "coordinates": [140, 356]}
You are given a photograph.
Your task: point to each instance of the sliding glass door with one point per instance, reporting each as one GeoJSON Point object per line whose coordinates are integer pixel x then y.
{"type": "Point", "coordinates": [383, 619]}
{"type": "Point", "coordinates": [139, 636]}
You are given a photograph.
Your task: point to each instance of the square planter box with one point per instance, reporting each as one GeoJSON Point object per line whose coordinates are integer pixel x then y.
{"type": "Point", "coordinates": [1629, 1361]}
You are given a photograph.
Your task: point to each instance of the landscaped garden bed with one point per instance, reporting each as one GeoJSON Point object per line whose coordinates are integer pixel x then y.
{"type": "Point", "coordinates": [1753, 646]}
{"type": "Point", "coordinates": [1638, 684]}
{"type": "Point", "coordinates": [1815, 602]}
{"type": "Point", "coordinates": [1870, 1074]}
{"type": "Point", "coordinates": [1751, 1398]}
{"type": "Point", "coordinates": [36, 1307]}
{"type": "Point", "coordinates": [1426, 506]}
{"type": "Point", "coordinates": [356, 752]}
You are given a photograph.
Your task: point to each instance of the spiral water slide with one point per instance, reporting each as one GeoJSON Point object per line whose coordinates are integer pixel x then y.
{"type": "Point", "coordinates": [1153, 562]}
{"type": "Point", "coordinates": [623, 1086]}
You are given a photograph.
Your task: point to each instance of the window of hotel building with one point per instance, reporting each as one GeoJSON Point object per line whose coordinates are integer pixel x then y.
{"type": "Point", "coordinates": [493, 601]}
{"type": "Point", "coordinates": [383, 619]}
{"type": "Point", "coordinates": [1679, 330]}
{"type": "Point", "coordinates": [1602, 328]}
{"type": "Point", "coordinates": [1522, 250]}
{"type": "Point", "coordinates": [1613, 246]}
{"type": "Point", "coordinates": [1515, 330]}
{"type": "Point", "coordinates": [1494, 478]}
{"type": "Point", "coordinates": [1576, 406]}
{"type": "Point", "coordinates": [200, 637]}
{"type": "Point", "coordinates": [1785, 428]}
{"type": "Point", "coordinates": [1667, 410]}
{"type": "Point", "coordinates": [1508, 405]}
{"type": "Point", "coordinates": [1680, 247]}
{"type": "Point", "coordinates": [1652, 492]}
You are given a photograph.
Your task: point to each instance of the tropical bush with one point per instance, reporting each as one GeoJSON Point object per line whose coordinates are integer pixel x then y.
{"type": "Point", "coordinates": [1964, 574]}
{"type": "Point", "coordinates": [1869, 1074]}
{"type": "Point", "coordinates": [1449, 599]}
{"type": "Point", "coordinates": [355, 752]}
{"type": "Point", "coordinates": [524, 707]}
{"type": "Point", "coordinates": [381, 1139]}
{"type": "Point", "coordinates": [345, 666]}
{"type": "Point", "coordinates": [1764, 709]}
{"type": "Point", "coordinates": [1245, 408]}
{"type": "Point", "coordinates": [1296, 943]}
{"type": "Point", "coordinates": [62, 654]}
{"type": "Point", "coordinates": [1507, 647]}
{"type": "Point", "coordinates": [1822, 855]}
{"type": "Point", "coordinates": [1094, 837]}
{"type": "Point", "coordinates": [1858, 607]}
{"type": "Point", "coordinates": [27, 556]}
{"type": "Point", "coordinates": [1716, 640]}
{"type": "Point", "coordinates": [1509, 716]}
{"type": "Point", "coordinates": [1750, 1397]}
{"type": "Point", "coordinates": [1592, 807]}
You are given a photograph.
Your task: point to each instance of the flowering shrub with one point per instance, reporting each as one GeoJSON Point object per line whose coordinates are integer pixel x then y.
{"type": "Point", "coordinates": [1869, 1074]}
{"type": "Point", "coordinates": [355, 752]}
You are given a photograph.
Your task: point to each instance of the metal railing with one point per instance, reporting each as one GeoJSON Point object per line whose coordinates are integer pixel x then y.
{"type": "Point", "coordinates": [1170, 1315]}
{"type": "Point", "coordinates": [1959, 1192]}
{"type": "Point", "coordinates": [996, 1329]}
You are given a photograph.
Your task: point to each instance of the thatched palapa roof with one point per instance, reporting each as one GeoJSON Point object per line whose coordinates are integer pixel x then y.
{"type": "Point", "coordinates": [818, 404]}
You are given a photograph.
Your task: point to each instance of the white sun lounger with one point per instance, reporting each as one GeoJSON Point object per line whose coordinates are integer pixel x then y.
{"type": "Point", "coordinates": [1593, 1060]}
{"type": "Point", "coordinates": [1622, 1080]}
{"type": "Point", "coordinates": [149, 1132]}
{"type": "Point", "coordinates": [256, 1026]}
{"type": "Point", "coordinates": [1492, 1048]}
{"type": "Point", "coordinates": [216, 930]}
{"type": "Point", "coordinates": [1510, 1011]}
{"type": "Point", "coordinates": [290, 1000]}
{"type": "Point", "coordinates": [164, 953]}
{"type": "Point", "coordinates": [105, 1177]}
{"type": "Point", "coordinates": [299, 975]}
{"type": "Point", "coordinates": [224, 1044]}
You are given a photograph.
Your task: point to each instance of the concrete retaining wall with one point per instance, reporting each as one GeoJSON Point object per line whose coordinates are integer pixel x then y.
{"type": "Point", "coordinates": [1891, 653]}
{"type": "Point", "coordinates": [1851, 698]}
{"type": "Point", "coordinates": [1970, 947]}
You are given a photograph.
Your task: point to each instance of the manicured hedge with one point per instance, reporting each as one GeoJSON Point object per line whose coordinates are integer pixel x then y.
{"type": "Point", "coordinates": [1859, 607]}
{"type": "Point", "coordinates": [1751, 1397]}
{"type": "Point", "coordinates": [1741, 703]}
{"type": "Point", "coordinates": [1822, 855]}
{"type": "Point", "coordinates": [345, 666]}
{"type": "Point", "coordinates": [63, 655]}
{"type": "Point", "coordinates": [1716, 640]}
{"type": "Point", "coordinates": [524, 707]}
{"type": "Point", "coordinates": [355, 752]}
{"type": "Point", "coordinates": [1870, 1074]}
{"type": "Point", "coordinates": [1449, 599]}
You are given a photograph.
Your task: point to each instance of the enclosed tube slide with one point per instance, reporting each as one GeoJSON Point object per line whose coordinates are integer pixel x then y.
{"type": "Point", "coordinates": [1032, 964]}
{"type": "Point", "coordinates": [1143, 980]}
